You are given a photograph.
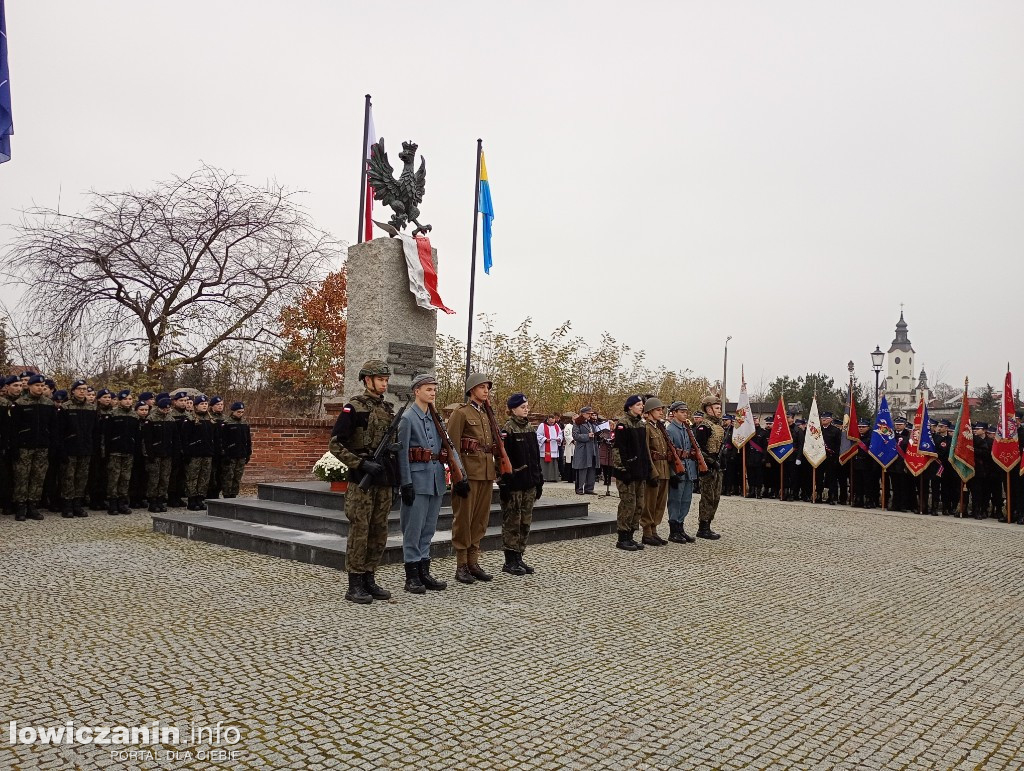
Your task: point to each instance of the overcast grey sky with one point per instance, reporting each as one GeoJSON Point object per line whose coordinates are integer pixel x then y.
{"type": "Point", "coordinates": [673, 172]}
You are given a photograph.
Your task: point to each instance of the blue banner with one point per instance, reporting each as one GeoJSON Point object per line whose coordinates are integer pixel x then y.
{"type": "Point", "coordinates": [6, 117]}
{"type": "Point", "coordinates": [883, 438]}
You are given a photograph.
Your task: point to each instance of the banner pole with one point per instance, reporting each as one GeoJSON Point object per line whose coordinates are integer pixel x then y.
{"type": "Point", "coordinates": [362, 165]}
{"type": "Point", "coordinates": [849, 494]}
{"type": "Point", "coordinates": [780, 481]}
{"type": "Point", "coordinates": [743, 460]}
{"type": "Point", "coordinates": [962, 485]}
{"type": "Point", "coordinates": [920, 495]}
{"type": "Point", "coordinates": [883, 488]}
{"type": "Point", "coordinates": [1009, 493]}
{"type": "Point", "coordinates": [472, 262]}
{"type": "Point", "coordinates": [814, 483]}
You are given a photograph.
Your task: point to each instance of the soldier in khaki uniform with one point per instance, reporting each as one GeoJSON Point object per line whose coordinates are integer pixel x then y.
{"type": "Point", "coordinates": [656, 493]}
{"type": "Point", "coordinates": [471, 435]}
{"type": "Point", "coordinates": [631, 461]}
{"type": "Point", "coordinates": [359, 430]}
{"type": "Point", "coordinates": [710, 435]}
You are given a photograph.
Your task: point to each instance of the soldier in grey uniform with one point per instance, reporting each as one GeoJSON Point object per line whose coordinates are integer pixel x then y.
{"type": "Point", "coordinates": [422, 478]}
{"type": "Point", "coordinates": [360, 428]}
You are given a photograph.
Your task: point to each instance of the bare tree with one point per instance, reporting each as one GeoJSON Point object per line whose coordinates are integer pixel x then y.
{"type": "Point", "coordinates": [173, 272]}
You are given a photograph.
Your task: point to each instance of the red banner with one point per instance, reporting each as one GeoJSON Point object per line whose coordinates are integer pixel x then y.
{"type": "Point", "coordinates": [1005, 450]}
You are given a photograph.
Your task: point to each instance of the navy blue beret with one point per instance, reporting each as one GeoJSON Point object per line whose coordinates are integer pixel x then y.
{"type": "Point", "coordinates": [145, 396]}
{"type": "Point", "coordinates": [103, 392]}
{"type": "Point", "coordinates": [60, 396]}
{"type": "Point", "coordinates": [33, 379]}
{"type": "Point", "coordinates": [164, 402]}
{"type": "Point", "coordinates": [634, 399]}
{"type": "Point", "coordinates": [216, 400]}
{"type": "Point", "coordinates": [200, 399]}
{"type": "Point", "coordinates": [236, 406]}
{"type": "Point", "coordinates": [515, 400]}
{"type": "Point", "coordinates": [124, 394]}
{"type": "Point", "coordinates": [77, 383]}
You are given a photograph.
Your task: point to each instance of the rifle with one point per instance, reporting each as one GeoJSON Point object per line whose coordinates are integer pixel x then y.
{"type": "Point", "coordinates": [504, 464]}
{"type": "Point", "coordinates": [384, 447]}
{"type": "Point", "coordinates": [702, 466]}
{"type": "Point", "coordinates": [455, 464]}
{"type": "Point", "coordinates": [677, 463]}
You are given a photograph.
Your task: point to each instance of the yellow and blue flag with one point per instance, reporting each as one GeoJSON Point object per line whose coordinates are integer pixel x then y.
{"type": "Point", "coordinates": [486, 208]}
{"type": "Point", "coordinates": [6, 120]}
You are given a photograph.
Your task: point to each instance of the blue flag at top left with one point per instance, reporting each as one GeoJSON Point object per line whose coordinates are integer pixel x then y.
{"type": "Point", "coordinates": [6, 118]}
{"type": "Point", "coordinates": [486, 208]}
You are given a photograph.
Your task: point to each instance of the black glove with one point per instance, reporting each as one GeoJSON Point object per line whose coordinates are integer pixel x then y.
{"type": "Point", "coordinates": [461, 488]}
{"type": "Point", "coordinates": [652, 482]}
{"type": "Point", "coordinates": [408, 495]}
{"type": "Point", "coordinates": [504, 494]}
{"type": "Point", "coordinates": [674, 481]}
{"type": "Point", "coordinates": [371, 469]}
{"type": "Point", "coordinates": [505, 479]}
{"type": "Point", "coordinates": [540, 489]}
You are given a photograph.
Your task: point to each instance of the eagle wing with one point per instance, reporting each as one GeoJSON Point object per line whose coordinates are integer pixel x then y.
{"type": "Point", "coordinates": [380, 174]}
{"type": "Point", "coordinates": [420, 184]}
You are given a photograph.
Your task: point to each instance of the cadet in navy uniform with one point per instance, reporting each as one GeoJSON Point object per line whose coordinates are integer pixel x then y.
{"type": "Point", "coordinates": [422, 480]}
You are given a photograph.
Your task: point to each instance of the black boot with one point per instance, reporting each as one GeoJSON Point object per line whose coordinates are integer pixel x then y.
{"type": "Point", "coordinates": [624, 542]}
{"type": "Point", "coordinates": [632, 539]}
{"type": "Point", "coordinates": [675, 532]}
{"type": "Point", "coordinates": [463, 576]}
{"type": "Point", "coordinates": [163, 505]}
{"type": "Point", "coordinates": [175, 503]}
{"type": "Point", "coordinates": [529, 571]}
{"type": "Point", "coordinates": [112, 507]}
{"type": "Point", "coordinates": [511, 565]}
{"type": "Point", "coordinates": [428, 580]}
{"type": "Point", "coordinates": [687, 538]}
{"type": "Point", "coordinates": [154, 506]}
{"type": "Point", "coordinates": [413, 582]}
{"type": "Point", "coordinates": [377, 592]}
{"type": "Point", "coordinates": [20, 512]}
{"type": "Point", "coordinates": [705, 531]}
{"type": "Point", "coordinates": [67, 510]}
{"type": "Point", "coordinates": [78, 508]}
{"type": "Point", "coordinates": [356, 591]}
{"type": "Point", "coordinates": [33, 512]}
{"type": "Point", "coordinates": [122, 506]}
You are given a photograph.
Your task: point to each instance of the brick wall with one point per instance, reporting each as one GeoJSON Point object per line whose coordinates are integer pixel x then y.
{"type": "Point", "coordinates": [287, 448]}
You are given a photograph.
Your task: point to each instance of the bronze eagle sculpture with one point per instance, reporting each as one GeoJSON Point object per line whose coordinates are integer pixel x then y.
{"type": "Point", "coordinates": [402, 194]}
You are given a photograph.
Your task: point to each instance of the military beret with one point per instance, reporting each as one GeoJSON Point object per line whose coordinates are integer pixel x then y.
{"type": "Point", "coordinates": [146, 396]}
{"type": "Point", "coordinates": [826, 414]}
{"type": "Point", "coordinates": [676, 406]}
{"type": "Point", "coordinates": [25, 374]}
{"type": "Point", "coordinates": [216, 400]}
{"type": "Point", "coordinates": [90, 389]}
{"type": "Point", "coordinates": [200, 399]}
{"type": "Point", "coordinates": [634, 399]}
{"type": "Point", "coordinates": [236, 406]}
{"type": "Point", "coordinates": [515, 400]}
{"type": "Point", "coordinates": [10, 379]}
{"type": "Point", "coordinates": [50, 382]}
{"type": "Point", "coordinates": [180, 395]}
{"type": "Point", "coordinates": [77, 384]}
{"type": "Point", "coordinates": [124, 393]}
{"type": "Point", "coordinates": [163, 402]}
{"type": "Point", "coordinates": [163, 395]}
{"type": "Point", "coordinates": [103, 392]}
{"type": "Point", "coordinates": [60, 396]}
{"type": "Point", "coordinates": [141, 403]}
{"type": "Point", "coordinates": [698, 414]}
{"type": "Point", "coordinates": [422, 380]}
{"type": "Point", "coordinates": [33, 379]}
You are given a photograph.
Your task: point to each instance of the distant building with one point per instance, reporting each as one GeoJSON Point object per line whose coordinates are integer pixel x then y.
{"type": "Point", "coordinates": [899, 386]}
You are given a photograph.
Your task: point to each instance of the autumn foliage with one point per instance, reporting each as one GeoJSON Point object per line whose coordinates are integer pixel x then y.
{"type": "Point", "coordinates": [312, 359]}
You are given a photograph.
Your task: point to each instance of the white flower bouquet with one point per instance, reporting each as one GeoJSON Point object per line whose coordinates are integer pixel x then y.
{"type": "Point", "coordinates": [330, 469]}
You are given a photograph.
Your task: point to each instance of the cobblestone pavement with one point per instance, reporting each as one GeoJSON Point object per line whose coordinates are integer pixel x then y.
{"type": "Point", "coordinates": [808, 637]}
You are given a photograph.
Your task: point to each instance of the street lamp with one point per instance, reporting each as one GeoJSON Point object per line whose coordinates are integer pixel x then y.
{"type": "Point", "coordinates": [725, 369]}
{"type": "Point", "coordinates": [877, 357]}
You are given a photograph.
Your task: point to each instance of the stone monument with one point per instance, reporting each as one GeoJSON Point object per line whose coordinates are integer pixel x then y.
{"type": "Point", "coordinates": [384, 321]}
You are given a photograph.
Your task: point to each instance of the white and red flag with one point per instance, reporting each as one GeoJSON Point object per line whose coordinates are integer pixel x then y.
{"type": "Point", "coordinates": [1005, 450]}
{"type": "Point", "coordinates": [422, 275]}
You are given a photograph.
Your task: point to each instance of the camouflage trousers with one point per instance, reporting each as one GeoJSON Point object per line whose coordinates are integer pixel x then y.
{"type": "Point", "coordinates": [197, 477]}
{"type": "Point", "coordinates": [710, 493]}
{"type": "Point", "coordinates": [367, 514]}
{"type": "Point", "coordinates": [29, 474]}
{"type": "Point", "coordinates": [74, 477]}
{"type": "Point", "coordinates": [516, 518]}
{"type": "Point", "coordinates": [231, 470]}
{"type": "Point", "coordinates": [631, 503]}
{"type": "Point", "coordinates": [119, 474]}
{"type": "Point", "coordinates": [158, 477]}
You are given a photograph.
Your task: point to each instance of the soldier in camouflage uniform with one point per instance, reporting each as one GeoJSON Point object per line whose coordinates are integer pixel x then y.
{"type": "Point", "coordinates": [710, 435]}
{"type": "Point", "coordinates": [631, 462]}
{"type": "Point", "coordinates": [235, 445]}
{"type": "Point", "coordinates": [34, 429]}
{"type": "Point", "coordinates": [217, 415]}
{"type": "Point", "coordinates": [359, 430]}
{"type": "Point", "coordinates": [98, 464]}
{"type": "Point", "coordinates": [520, 489]}
{"type": "Point", "coordinates": [120, 441]}
{"type": "Point", "coordinates": [76, 424]}
{"type": "Point", "coordinates": [200, 446]}
{"type": "Point", "coordinates": [182, 418]}
{"type": "Point", "coordinates": [9, 393]}
{"type": "Point", "coordinates": [160, 445]}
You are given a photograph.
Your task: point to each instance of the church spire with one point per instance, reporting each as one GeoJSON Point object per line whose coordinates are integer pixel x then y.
{"type": "Point", "coordinates": [901, 342]}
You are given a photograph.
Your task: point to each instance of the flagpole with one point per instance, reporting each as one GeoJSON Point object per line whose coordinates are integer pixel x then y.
{"type": "Point", "coordinates": [814, 483]}
{"type": "Point", "coordinates": [883, 488]}
{"type": "Point", "coordinates": [781, 484]}
{"type": "Point", "coordinates": [743, 460]}
{"type": "Point", "coordinates": [362, 165]}
{"type": "Point", "coordinates": [472, 262]}
{"type": "Point", "coordinates": [849, 494]}
{"type": "Point", "coordinates": [962, 485]}
{"type": "Point", "coordinates": [1009, 494]}
{"type": "Point", "coordinates": [920, 494]}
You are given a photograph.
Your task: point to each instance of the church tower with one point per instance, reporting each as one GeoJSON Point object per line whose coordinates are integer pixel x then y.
{"type": "Point", "coordinates": [899, 378]}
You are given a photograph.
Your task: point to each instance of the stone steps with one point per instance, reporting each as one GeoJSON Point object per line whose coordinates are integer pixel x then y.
{"type": "Point", "coordinates": [319, 494]}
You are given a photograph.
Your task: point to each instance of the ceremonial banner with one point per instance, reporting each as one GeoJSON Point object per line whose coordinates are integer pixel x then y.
{"type": "Point", "coordinates": [961, 454]}
{"type": "Point", "coordinates": [743, 427]}
{"type": "Point", "coordinates": [921, 450]}
{"type": "Point", "coordinates": [1005, 450]}
{"type": "Point", "coordinates": [6, 118]}
{"type": "Point", "coordinates": [780, 441]}
{"type": "Point", "coordinates": [422, 276]}
{"type": "Point", "coordinates": [814, 441]}
{"type": "Point", "coordinates": [849, 443]}
{"type": "Point", "coordinates": [486, 208]}
{"type": "Point", "coordinates": [883, 446]}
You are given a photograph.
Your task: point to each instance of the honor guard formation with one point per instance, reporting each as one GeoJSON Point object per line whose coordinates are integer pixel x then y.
{"type": "Point", "coordinates": [82, 449]}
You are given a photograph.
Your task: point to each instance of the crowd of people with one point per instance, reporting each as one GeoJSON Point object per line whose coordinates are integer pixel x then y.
{"type": "Point", "coordinates": [88, 448]}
